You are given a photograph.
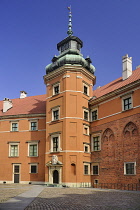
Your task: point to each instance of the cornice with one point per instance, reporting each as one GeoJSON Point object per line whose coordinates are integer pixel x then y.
{"type": "Point", "coordinates": [114, 93]}
{"type": "Point", "coordinates": [21, 116]}
{"type": "Point", "coordinates": [68, 68]}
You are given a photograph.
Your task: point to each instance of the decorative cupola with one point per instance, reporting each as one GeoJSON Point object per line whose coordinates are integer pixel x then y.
{"type": "Point", "coordinates": [70, 52]}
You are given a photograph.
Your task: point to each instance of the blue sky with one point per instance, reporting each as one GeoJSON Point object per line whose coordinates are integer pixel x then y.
{"type": "Point", "coordinates": [31, 29]}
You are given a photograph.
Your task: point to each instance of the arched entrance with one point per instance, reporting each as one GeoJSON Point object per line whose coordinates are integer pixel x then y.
{"type": "Point", "coordinates": [55, 177]}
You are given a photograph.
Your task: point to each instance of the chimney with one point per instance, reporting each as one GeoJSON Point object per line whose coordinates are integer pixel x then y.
{"type": "Point", "coordinates": [7, 104]}
{"type": "Point", "coordinates": [127, 66]}
{"type": "Point", "coordinates": [23, 94]}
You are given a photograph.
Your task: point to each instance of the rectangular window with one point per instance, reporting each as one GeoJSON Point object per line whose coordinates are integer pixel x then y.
{"type": "Point", "coordinates": [33, 168]}
{"type": "Point", "coordinates": [14, 126]}
{"type": "Point", "coordinates": [13, 150]}
{"type": "Point", "coordinates": [86, 130]}
{"type": "Point", "coordinates": [33, 126]}
{"type": "Point", "coordinates": [85, 89]}
{"type": "Point", "coordinates": [86, 115]}
{"type": "Point", "coordinates": [86, 147]}
{"type": "Point", "coordinates": [85, 169]}
{"type": "Point", "coordinates": [94, 115]}
{"type": "Point", "coordinates": [96, 143]}
{"type": "Point", "coordinates": [55, 144]}
{"type": "Point", "coordinates": [33, 150]}
{"type": "Point", "coordinates": [95, 170]}
{"type": "Point", "coordinates": [56, 89]}
{"type": "Point", "coordinates": [129, 168]}
{"type": "Point", "coordinates": [55, 113]}
{"type": "Point", "coordinates": [127, 103]}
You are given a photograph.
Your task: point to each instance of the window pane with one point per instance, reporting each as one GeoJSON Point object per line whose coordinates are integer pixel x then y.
{"type": "Point", "coordinates": [85, 169]}
{"type": "Point", "coordinates": [85, 90]}
{"type": "Point", "coordinates": [14, 126]}
{"type": "Point", "coordinates": [94, 115]}
{"type": "Point", "coordinates": [56, 89]}
{"type": "Point", "coordinates": [95, 170]}
{"type": "Point", "coordinates": [13, 150]}
{"type": "Point", "coordinates": [16, 169]}
{"type": "Point", "coordinates": [56, 115]}
{"type": "Point", "coordinates": [130, 168]}
{"type": "Point", "coordinates": [85, 115]}
{"type": "Point", "coordinates": [33, 169]}
{"type": "Point", "coordinates": [33, 150]}
{"type": "Point", "coordinates": [127, 103]}
{"type": "Point", "coordinates": [55, 144]}
{"type": "Point", "coordinates": [96, 143]}
{"type": "Point", "coordinates": [33, 126]}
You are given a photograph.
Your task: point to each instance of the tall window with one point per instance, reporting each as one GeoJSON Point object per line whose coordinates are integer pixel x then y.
{"type": "Point", "coordinates": [33, 150]}
{"type": "Point", "coordinates": [86, 113]}
{"type": "Point", "coordinates": [14, 150]}
{"type": "Point", "coordinates": [94, 115]}
{"type": "Point", "coordinates": [55, 113]}
{"type": "Point", "coordinates": [55, 144]}
{"type": "Point", "coordinates": [95, 170]}
{"type": "Point", "coordinates": [56, 88]}
{"type": "Point", "coordinates": [85, 89]}
{"type": "Point", "coordinates": [129, 168]}
{"type": "Point", "coordinates": [86, 129]}
{"type": "Point", "coordinates": [14, 126]}
{"type": "Point", "coordinates": [86, 168]}
{"type": "Point", "coordinates": [96, 143]}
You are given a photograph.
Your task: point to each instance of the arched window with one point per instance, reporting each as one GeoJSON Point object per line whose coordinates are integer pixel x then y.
{"type": "Point", "coordinates": [130, 130]}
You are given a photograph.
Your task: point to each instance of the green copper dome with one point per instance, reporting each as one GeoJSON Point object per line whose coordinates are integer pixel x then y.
{"type": "Point", "coordinates": [69, 49]}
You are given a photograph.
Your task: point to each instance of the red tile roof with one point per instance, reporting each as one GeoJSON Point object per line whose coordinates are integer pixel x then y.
{"type": "Point", "coordinates": [28, 105]}
{"type": "Point", "coordinates": [116, 84]}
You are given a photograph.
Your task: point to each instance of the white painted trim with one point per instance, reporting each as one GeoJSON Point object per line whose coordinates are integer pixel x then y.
{"type": "Point", "coordinates": [18, 119]}
{"type": "Point", "coordinates": [21, 131]}
{"type": "Point", "coordinates": [77, 118]}
{"type": "Point", "coordinates": [65, 151]}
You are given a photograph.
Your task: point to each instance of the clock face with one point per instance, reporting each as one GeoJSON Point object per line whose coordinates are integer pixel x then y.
{"type": "Point", "coordinates": [65, 47]}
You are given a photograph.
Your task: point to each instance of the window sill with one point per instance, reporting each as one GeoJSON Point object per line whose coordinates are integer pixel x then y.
{"type": "Point", "coordinates": [33, 130]}
{"type": "Point", "coordinates": [87, 174]}
{"type": "Point", "coordinates": [55, 151]}
{"type": "Point", "coordinates": [86, 94]}
{"type": "Point", "coordinates": [14, 131]}
{"type": "Point", "coordinates": [33, 173]}
{"type": "Point", "coordinates": [32, 156]}
{"type": "Point", "coordinates": [129, 174]}
{"type": "Point", "coordinates": [96, 151]}
{"type": "Point", "coordinates": [127, 110]}
{"type": "Point", "coordinates": [55, 94]}
{"type": "Point", "coordinates": [13, 156]}
{"type": "Point", "coordinates": [86, 134]}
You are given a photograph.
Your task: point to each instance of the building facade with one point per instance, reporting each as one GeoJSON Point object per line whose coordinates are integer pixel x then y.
{"type": "Point", "coordinates": [73, 135]}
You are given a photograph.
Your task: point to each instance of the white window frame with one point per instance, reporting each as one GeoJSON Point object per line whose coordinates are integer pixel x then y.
{"type": "Point", "coordinates": [93, 110]}
{"type": "Point", "coordinates": [32, 143]}
{"type": "Point", "coordinates": [33, 121]}
{"type": "Point", "coordinates": [92, 142]}
{"type": "Point", "coordinates": [125, 168]}
{"type": "Point", "coordinates": [13, 144]}
{"type": "Point", "coordinates": [87, 164]}
{"type": "Point", "coordinates": [85, 110]}
{"type": "Point", "coordinates": [55, 109]}
{"type": "Point", "coordinates": [53, 136]}
{"type": "Point", "coordinates": [13, 122]}
{"type": "Point", "coordinates": [88, 146]}
{"type": "Point", "coordinates": [94, 164]}
{"type": "Point", "coordinates": [33, 164]}
{"type": "Point", "coordinates": [55, 85]}
{"type": "Point", "coordinates": [87, 86]}
{"type": "Point", "coordinates": [124, 98]}
{"type": "Point", "coordinates": [85, 127]}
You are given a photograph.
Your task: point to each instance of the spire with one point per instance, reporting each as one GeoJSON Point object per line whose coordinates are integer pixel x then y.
{"type": "Point", "coordinates": [70, 32]}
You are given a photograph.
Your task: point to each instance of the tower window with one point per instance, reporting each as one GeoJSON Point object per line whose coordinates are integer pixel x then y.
{"type": "Point", "coordinates": [85, 89]}
{"type": "Point", "coordinates": [94, 115]}
{"type": "Point", "coordinates": [55, 113]}
{"type": "Point", "coordinates": [86, 115]}
{"type": "Point", "coordinates": [55, 143]}
{"type": "Point", "coordinates": [56, 89]}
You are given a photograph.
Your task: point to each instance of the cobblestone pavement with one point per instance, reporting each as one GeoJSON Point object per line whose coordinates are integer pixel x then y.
{"type": "Point", "coordinates": [8, 191]}
{"type": "Point", "coordinates": [85, 199]}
